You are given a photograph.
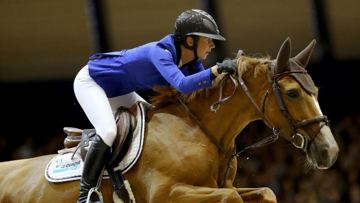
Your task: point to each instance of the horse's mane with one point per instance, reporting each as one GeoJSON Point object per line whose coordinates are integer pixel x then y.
{"type": "Point", "coordinates": [168, 95]}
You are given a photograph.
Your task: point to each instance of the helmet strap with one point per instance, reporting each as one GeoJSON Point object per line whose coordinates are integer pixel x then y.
{"type": "Point", "coordinates": [194, 46]}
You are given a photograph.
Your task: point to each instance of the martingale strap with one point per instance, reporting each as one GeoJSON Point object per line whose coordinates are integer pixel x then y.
{"type": "Point", "coordinates": [230, 157]}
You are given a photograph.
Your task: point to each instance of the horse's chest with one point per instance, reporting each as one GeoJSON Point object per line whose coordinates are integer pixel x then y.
{"type": "Point", "coordinates": [178, 146]}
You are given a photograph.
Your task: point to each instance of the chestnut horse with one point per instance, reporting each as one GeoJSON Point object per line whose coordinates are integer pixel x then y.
{"type": "Point", "coordinates": [188, 149]}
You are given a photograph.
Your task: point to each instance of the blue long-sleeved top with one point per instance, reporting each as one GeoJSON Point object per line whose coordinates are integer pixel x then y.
{"type": "Point", "coordinates": [146, 66]}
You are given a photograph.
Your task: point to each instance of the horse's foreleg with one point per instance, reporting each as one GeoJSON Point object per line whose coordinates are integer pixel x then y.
{"type": "Point", "coordinates": [249, 195]}
{"type": "Point", "coordinates": [258, 195]}
{"type": "Point", "coordinates": [187, 193]}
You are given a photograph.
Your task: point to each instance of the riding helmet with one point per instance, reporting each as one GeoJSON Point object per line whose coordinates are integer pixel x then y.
{"type": "Point", "coordinates": [196, 22]}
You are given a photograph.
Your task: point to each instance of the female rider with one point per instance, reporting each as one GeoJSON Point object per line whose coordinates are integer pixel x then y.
{"type": "Point", "coordinates": [110, 80]}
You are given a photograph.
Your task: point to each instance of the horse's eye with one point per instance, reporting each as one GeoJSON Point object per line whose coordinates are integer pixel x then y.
{"type": "Point", "coordinates": [293, 93]}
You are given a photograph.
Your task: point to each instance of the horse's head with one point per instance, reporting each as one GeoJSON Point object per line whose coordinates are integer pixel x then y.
{"type": "Point", "coordinates": [292, 107]}
{"type": "Point", "coordinates": [283, 95]}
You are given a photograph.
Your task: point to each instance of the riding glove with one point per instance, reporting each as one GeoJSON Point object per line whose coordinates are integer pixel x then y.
{"type": "Point", "coordinates": [227, 66]}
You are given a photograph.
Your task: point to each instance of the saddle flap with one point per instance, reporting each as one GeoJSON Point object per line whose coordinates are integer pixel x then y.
{"type": "Point", "coordinates": [129, 126]}
{"type": "Point", "coordinates": [126, 123]}
{"type": "Point", "coordinates": [136, 142]}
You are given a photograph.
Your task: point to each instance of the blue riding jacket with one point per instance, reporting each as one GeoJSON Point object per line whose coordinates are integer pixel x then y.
{"type": "Point", "coordinates": [146, 66]}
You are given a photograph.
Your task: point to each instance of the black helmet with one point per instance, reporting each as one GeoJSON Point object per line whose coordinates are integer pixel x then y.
{"type": "Point", "coordinates": [196, 22]}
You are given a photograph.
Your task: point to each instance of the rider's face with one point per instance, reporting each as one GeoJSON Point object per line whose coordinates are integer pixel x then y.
{"type": "Point", "coordinates": [205, 45]}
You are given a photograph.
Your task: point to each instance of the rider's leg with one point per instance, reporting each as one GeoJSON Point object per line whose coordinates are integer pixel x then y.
{"type": "Point", "coordinates": [95, 161]}
{"type": "Point", "coordinates": [96, 106]}
{"type": "Point", "coordinates": [100, 111]}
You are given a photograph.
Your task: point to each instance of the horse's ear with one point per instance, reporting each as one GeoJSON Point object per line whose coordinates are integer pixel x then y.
{"type": "Point", "coordinates": [304, 56]}
{"type": "Point", "coordinates": [240, 53]}
{"type": "Point", "coordinates": [283, 56]}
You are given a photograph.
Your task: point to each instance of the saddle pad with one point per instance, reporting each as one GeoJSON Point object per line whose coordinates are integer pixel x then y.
{"type": "Point", "coordinates": [62, 168]}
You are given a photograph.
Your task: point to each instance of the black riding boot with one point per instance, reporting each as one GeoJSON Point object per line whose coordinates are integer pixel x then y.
{"type": "Point", "coordinates": [95, 161]}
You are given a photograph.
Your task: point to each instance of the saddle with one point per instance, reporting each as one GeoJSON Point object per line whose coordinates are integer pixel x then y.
{"type": "Point", "coordinates": [130, 128]}
{"type": "Point", "coordinates": [126, 124]}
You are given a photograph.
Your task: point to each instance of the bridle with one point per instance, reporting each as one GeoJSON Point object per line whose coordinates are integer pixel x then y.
{"type": "Point", "coordinates": [295, 125]}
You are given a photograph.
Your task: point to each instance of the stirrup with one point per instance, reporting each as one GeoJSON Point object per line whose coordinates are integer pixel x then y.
{"type": "Point", "coordinates": [97, 192]}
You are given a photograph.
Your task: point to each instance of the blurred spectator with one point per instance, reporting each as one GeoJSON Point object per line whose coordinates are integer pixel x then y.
{"type": "Point", "coordinates": [26, 150]}
{"type": "Point", "coordinates": [279, 166]}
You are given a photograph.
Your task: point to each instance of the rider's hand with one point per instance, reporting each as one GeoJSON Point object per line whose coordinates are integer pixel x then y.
{"type": "Point", "coordinates": [227, 66]}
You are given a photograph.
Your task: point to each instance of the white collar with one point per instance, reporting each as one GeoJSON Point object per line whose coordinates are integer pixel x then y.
{"type": "Point", "coordinates": [180, 63]}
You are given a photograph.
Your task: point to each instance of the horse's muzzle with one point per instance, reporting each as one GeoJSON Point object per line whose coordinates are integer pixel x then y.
{"type": "Point", "coordinates": [323, 151]}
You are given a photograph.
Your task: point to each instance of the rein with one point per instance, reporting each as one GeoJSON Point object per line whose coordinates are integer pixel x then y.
{"type": "Point", "coordinates": [214, 107]}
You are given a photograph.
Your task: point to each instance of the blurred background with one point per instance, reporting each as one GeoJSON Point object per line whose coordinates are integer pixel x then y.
{"type": "Point", "coordinates": [43, 44]}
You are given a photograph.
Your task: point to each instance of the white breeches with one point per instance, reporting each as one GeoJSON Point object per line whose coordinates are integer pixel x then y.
{"type": "Point", "coordinates": [100, 109]}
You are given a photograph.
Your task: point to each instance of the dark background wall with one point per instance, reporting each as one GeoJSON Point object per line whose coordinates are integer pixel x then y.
{"type": "Point", "coordinates": [44, 43]}
{"type": "Point", "coordinates": [50, 40]}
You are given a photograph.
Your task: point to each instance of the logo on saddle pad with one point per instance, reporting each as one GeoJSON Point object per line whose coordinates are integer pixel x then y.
{"type": "Point", "coordinates": [63, 167]}
{"type": "Point", "coordinates": [67, 165]}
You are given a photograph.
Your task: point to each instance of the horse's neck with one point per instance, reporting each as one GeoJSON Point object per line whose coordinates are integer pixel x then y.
{"type": "Point", "coordinates": [234, 115]}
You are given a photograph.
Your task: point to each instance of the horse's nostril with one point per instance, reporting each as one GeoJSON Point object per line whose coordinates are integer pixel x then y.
{"type": "Point", "coordinates": [324, 153]}
{"type": "Point", "coordinates": [333, 153]}
{"type": "Point", "coordinates": [328, 155]}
